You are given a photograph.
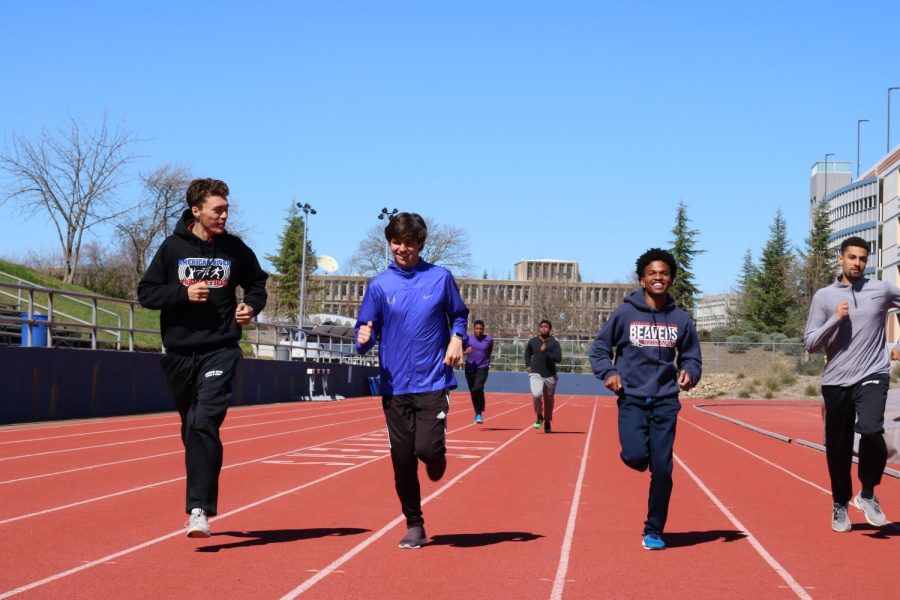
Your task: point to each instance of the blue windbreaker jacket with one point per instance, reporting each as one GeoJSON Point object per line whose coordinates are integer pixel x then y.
{"type": "Point", "coordinates": [647, 343]}
{"type": "Point", "coordinates": [413, 312]}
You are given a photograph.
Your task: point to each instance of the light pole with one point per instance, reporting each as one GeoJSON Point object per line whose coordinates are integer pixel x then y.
{"type": "Point", "coordinates": [890, 89]}
{"type": "Point", "coordinates": [858, 122]}
{"type": "Point", "coordinates": [385, 214]}
{"type": "Point", "coordinates": [307, 210]}
{"type": "Point", "coordinates": [825, 195]}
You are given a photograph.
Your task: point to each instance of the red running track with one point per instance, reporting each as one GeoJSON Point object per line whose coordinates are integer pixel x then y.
{"type": "Point", "coordinates": [92, 509]}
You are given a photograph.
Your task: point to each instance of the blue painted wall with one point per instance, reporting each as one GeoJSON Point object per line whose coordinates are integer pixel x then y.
{"type": "Point", "coordinates": [41, 384]}
{"type": "Point", "coordinates": [579, 384]}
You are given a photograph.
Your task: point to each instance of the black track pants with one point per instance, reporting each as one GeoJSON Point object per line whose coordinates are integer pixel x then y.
{"type": "Point", "coordinates": [201, 385]}
{"type": "Point", "coordinates": [417, 426]}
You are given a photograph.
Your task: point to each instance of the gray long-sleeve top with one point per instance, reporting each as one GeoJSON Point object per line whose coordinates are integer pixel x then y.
{"type": "Point", "coordinates": [855, 345]}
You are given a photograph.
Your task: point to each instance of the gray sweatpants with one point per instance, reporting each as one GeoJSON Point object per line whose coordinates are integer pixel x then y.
{"type": "Point", "coordinates": [543, 388]}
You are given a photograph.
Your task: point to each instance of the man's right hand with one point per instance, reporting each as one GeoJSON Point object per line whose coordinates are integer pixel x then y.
{"type": "Point", "coordinates": [364, 334]}
{"type": "Point", "coordinates": [198, 292]}
{"type": "Point", "coordinates": [842, 311]}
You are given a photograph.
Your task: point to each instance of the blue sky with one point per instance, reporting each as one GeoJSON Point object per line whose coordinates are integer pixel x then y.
{"type": "Point", "coordinates": [562, 130]}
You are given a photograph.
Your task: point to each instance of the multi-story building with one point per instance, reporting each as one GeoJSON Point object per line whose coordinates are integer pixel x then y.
{"type": "Point", "coordinates": [541, 289]}
{"type": "Point", "coordinates": [711, 312]}
{"type": "Point", "coordinates": [869, 208]}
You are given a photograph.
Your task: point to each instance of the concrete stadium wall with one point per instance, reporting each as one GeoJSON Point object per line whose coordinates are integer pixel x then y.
{"type": "Point", "coordinates": [578, 384]}
{"type": "Point", "coordinates": [40, 384]}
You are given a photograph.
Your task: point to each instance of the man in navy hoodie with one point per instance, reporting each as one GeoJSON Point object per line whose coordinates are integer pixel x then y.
{"type": "Point", "coordinates": [649, 333]}
{"type": "Point", "coordinates": [408, 308]}
{"type": "Point", "coordinates": [192, 279]}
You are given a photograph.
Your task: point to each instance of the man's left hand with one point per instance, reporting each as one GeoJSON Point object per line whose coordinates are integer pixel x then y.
{"type": "Point", "coordinates": [684, 381]}
{"type": "Point", "coordinates": [244, 314]}
{"type": "Point", "coordinates": [454, 354]}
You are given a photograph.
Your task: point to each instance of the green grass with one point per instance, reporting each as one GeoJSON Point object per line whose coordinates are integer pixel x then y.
{"type": "Point", "coordinates": [143, 318]}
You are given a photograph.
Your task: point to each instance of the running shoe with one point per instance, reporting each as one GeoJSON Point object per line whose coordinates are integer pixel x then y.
{"type": "Point", "coordinates": [652, 541]}
{"type": "Point", "coordinates": [479, 419]}
{"type": "Point", "coordinates": [415, 537]}
{"type": "Point", "coordinates": [435, 469]}
{"type": "Point", "coordinates": [198, 525]}
{"type": "Point", "coordinates": [872, 509]}
{"type": "Point", "coordinates": [840, 520]}
{"type": "Point", "coordinates": [539, 422]}
{"type": "Point", "coordinates": [547, 428]}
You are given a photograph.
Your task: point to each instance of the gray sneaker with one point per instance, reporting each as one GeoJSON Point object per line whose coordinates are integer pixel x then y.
{"type": "Point", "coordinates": [872, 509]}
{"type": "Point", "coordinates": [414, 538]}
{"type": "Point", "coordinates": [198, 525]}
{"type": "Point", "coordinates": [840, 520]}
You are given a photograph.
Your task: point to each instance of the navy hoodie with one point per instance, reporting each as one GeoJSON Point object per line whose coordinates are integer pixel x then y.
{"type": "Point", "coordinates": [223, 262]}
{"type": "Point", "coordinates": [647, 344]}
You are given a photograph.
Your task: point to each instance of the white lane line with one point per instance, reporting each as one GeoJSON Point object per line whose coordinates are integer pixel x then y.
{"type": "Point", "coordinates": [173, 534]}
{"type": "Point", "coordinates": [776, 566]}
{"type": "Point", "coordinates": [757, 456]}
{"type": "Point", "coordinates": [180, 532]}
{"type": "Point", "coordinates": [339, 562]}
{"type": "Point", "coordinates": [38, 426]}
{"type": "Point", "coordinates": [224, 429]}
{"type": "Point", "coordinates": [227, 444]}
{"type": "Point", "coordinates": [139, 488]}
{"type": "Point", "coordinates": [559, 581]}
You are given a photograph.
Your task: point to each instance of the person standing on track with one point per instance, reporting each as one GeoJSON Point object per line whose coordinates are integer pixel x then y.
{"type": "Point", "coordinates": [415, 311]}
{"type": "Point", "coordinates": [847, 320]}
{"type": "Point", "coordinates": [192, 280]}
{"type": "Point", "coordinates": [649, 335]}
{"type": "Point", "coordinates": [542, 353]}
{"type": "Point", "coordinates": [478, 363]}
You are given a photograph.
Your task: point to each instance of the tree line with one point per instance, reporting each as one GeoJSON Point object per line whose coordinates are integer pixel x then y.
{"type": "Point", "coordinates": [72, 176]}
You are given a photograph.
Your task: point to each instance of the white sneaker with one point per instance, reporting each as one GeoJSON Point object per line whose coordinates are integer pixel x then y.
{"type": "Point", "coordinates": [198, 525]}
{"type": "Point", "coordinates": [872, 509]}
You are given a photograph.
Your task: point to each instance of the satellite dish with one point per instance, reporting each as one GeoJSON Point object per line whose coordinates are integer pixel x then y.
{"type": "Point", "coordinates": [327, 263]}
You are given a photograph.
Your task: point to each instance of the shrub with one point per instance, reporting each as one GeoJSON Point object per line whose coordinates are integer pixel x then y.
{"type": "Point", "coordinates": [811, 390]}
{"type": "Point", "coordinates": [754, 336]}
{"type": "Point", "coordinates": [813, 365]}
{"type": "Point", "coordinates": [744, 393]}
{"type": "Point", "coordinates": [736, 344]}
{"type": "Point", "coordinates": [741, 375]}
{"type": "Point", "coordinates": [792, 346]}
{"type": "Point", "coordinates": [768, 395]}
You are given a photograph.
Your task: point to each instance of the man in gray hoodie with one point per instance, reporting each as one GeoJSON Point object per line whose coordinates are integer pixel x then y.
{"type": "Point", "coordinates": [847, 319]}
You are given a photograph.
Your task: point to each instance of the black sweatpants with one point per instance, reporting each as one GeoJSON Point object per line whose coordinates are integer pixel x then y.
{"type": "Point", "coordinates": [417, 427]}
{"type": "Point", "coordinates": [859, 408]}
{"type": "Point", "coordinates": [647, 436]}
{"type": "Point", "coordinates": [201, 385]}
{"type": "Point", "coordinates": [476, 379]}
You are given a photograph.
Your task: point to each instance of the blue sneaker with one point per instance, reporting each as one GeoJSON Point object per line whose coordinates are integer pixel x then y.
{"type": "Point", "coordinates": [479, 419]}
{"type": "Point", "coordinates": [652, 541]}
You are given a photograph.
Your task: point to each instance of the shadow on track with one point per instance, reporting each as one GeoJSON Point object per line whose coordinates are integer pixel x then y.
{"type": "Point", "coordinates": [474, 540]}
{"type": "Point", "coordinates": [278, 536]}
{"type": "Point", "coordinates": [692, 538]}
{"type": "Point", "coordinates": [878, 533]}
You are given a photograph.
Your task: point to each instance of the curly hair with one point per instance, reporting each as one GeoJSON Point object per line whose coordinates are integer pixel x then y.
{"type": "Point", "coordinates": [201, 189]}
{"type": "Point", "coordinates": [656, 254]}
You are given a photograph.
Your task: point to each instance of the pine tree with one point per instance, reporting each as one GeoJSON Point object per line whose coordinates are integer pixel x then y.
{"type": "Point", "coordinates": [287, 262]}
{"type": "Point", "coordinates": [684, 291]}
{"type": "Point", "coordinates": [770, 299]}
{"type": "Point", "coordinates": [819, 264]}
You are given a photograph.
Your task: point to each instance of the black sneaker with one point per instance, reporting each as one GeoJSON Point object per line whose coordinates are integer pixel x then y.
{"type": "Point", "coordinates": [436, 468]}
{"type": "Point", "coordinates": [547, 428]}
{"type": "Point", "coordinates": [539, 422]}
{"type": "Point", "coordinates": [415, 537]}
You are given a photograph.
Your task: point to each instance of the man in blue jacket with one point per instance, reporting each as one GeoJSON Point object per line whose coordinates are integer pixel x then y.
{"type": "Point", "coordinates": [648, 332]}
{"type": "Point", "coordinates": [408, 307]}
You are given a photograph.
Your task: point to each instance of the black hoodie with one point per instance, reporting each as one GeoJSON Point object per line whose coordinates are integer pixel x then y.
{"type": "Point", "coordinates": [224, 262]}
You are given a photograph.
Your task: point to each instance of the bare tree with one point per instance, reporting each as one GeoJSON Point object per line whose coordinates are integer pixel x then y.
{"type": "Point", "coordinates": [446, 245]}
{"type": "Point", "coordinates": [70, 176]}
{"type": "Point", "coordinates": [147, 224]}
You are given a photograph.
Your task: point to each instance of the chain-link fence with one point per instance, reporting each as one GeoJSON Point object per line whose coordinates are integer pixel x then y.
{"type": "Point", "coordinates": [750, 359]}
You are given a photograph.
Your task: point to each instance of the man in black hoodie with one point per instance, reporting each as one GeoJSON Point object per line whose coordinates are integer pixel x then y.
{"type": "Point", "coordinates": [192, 280]}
